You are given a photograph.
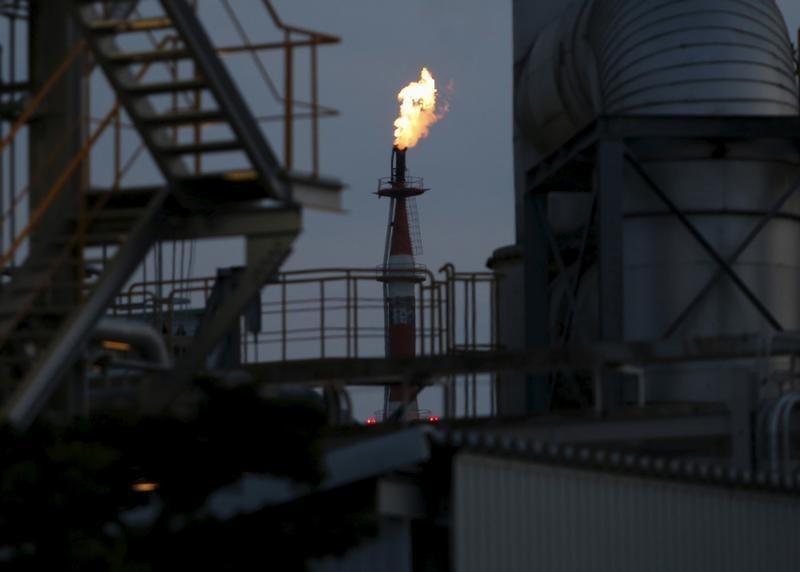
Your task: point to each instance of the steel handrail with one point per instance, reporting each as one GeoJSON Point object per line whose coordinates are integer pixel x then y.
{"type": "Point", "coordinates": [438, 335]}
{"type": "Point", "coordinates": [18, 196]}
{"type": "Point", "coordinates": [313, 41]}
{"type": "Point", "coordinates": [43, 92]}
{"type": "Point", "coordinates": [85, 221]}
{"type": "Point", "coordinates": [42, 207]}
{"type": "Point", "coordinates": [74, 240]}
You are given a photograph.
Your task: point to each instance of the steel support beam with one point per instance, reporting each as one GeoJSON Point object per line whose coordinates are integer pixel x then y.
{"type": "Point", "coordinates": [237, 220]}
{"type": "Point", "coordinates": [658, 426]}
{"type": "Point", "coordinates": [56, 134]}
{"type": "Point", "coordinates": [553, 166]}
{"type": "Point", "coordinates": [536, 261]}
{"type": "Point", "coordinates": [635, 127]}
{"type": "Point", "coordinates": [265, 256]}
{"type": "Point", "coordinates": [609, 187]}
{"type": "Point", "coordinates": [698, 236]}
{"type": "Point", "coordinates": [581, 265]}
{"type": "Point", "coordinates": [226, 93]}
{"type": "Point", "coordinates": [768, 217]}
{"type": "Point", "coordinates": [699, 127]}
{"type": "Point", "coordinates": [576, 357]}
{"type": "Point", "coordinates": [32, 395]}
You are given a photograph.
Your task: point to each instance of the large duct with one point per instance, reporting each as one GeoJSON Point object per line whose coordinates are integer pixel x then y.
{"type": "Point", "coordinates": [678, 57]}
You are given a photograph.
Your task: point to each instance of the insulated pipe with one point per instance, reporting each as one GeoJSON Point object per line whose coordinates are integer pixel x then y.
{"type": "Point", "coordinates": [786, 425]}
{"type": "Point", "coordinates": [144, 337]}
{"type": "Point", "coordinates": [779, 416]}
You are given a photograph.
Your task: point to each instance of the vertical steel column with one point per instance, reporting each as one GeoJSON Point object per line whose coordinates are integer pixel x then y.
{"type": "Point", "coordinates": [322, 318]}
{"type": "Point", "coordinates": [52, 33]}
{"type": "Point", "coordinates": [283, 318]}
{"type": "Point", "coordinates": [536, 261]}
{"type": "Point", "coordinates": [314, 113]}
{"type": "Point", "coordinates": [421, 318]}
{"type": "Point", "coordinates": [609, 183]}
{"type": "Point", "coordinates": [743, 394]}
{"type": "Point", "coordinates": [12, 147]}
{"type": "Point", "coordinates": [355, 318]}
{"type": "Point", "coordinates": [288, 139]}
{"type": "Point", "coordinates": [2, 168]}
{"type": "Point", "coordinates": [347, 313]}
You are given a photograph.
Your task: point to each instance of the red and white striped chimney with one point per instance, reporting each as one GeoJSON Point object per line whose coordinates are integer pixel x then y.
{"type": "Point", "coordinates": [400, 276]}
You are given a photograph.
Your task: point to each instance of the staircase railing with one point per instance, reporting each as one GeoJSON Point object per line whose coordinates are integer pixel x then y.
{"type": "Point", "coordinates": [77, 239]}
{"type": "Point", "coordinates": [8, 216]}
{"type": "Point", "coordinates": [294, 39]}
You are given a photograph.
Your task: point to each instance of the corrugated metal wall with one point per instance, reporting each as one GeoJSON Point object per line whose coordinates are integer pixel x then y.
{"type": "Point", "coordinates": [520, 516]}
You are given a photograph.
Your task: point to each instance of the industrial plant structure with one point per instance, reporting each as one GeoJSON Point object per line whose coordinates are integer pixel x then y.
{"type": "Point", "coordinates": [640, 338]}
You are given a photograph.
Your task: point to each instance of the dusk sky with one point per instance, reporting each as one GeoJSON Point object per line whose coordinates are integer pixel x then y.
{"type": "Point", "coordinates": [466, 161]}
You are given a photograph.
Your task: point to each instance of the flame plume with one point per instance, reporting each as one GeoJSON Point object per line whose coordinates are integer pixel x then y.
{"type": "Point", "coordinates": [417, 111]}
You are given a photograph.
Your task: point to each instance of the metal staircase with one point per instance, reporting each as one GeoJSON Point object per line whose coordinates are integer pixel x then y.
{"type": "Point", "coordinates": [43, 331]}
{"type": "Point", "coordinates": [264, 179]}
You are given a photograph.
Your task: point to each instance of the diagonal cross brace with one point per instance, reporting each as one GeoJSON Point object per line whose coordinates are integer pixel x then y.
{"type": "Point", "coordinates": [724, 266]}
{"type": "Point", "coordinates": [161, 392]}
{"type": "Point", "coordinates": [768, 217]}
{"type": "Point", "coordinates": [572, 294]}
{"type": "Point", "coordinates": [231, 102]}
{"type": "Point", "coordinates": [581, 262]}
{"type": "Point", "coordinates": [551, 240]}
{"type": "Point", "coordinates": [40, 384]}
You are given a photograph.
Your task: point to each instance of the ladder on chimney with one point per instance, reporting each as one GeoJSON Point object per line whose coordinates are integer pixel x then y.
{"type": "Point", "coordinates": [35, 361]}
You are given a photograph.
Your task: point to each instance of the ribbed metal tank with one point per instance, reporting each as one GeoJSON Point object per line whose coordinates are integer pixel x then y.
{"type": "Point", "coordinates": [679, 57]}
{"type": "Point", "coordinates": [705, 57]}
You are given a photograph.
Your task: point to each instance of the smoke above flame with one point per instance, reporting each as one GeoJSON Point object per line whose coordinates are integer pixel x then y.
{"type": "Point", "coordinates": [417, 111]}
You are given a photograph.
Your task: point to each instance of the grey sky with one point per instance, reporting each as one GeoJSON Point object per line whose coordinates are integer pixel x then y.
{"type": "Point", "coordinates": [466, 161]}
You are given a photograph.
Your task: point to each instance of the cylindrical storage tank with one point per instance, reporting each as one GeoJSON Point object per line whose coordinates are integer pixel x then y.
{"type": "Point", "coordinates": [681, 58]}
{"type": "Point", "coordinates": [693, 57]}
{"type": "Point", "coordinates": [655, 57]}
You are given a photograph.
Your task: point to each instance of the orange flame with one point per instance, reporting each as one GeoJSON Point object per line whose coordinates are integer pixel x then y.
{"type": "Point", "coordinates": [417, 111]}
